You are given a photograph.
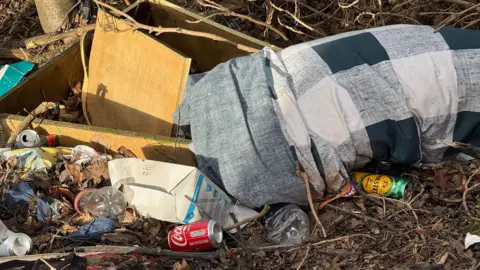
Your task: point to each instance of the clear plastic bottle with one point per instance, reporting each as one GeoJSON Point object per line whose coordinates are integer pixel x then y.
{"type": "Point", "coordinates": [288, 225]}
{"type": "Point", "coordinates": [105, 202]}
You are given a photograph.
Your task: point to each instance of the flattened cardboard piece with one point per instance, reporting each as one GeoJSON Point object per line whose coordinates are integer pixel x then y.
{"type": "Point", "coordinates": [160, 190]}
{"type": "Point", "coordinates": [135, 82]}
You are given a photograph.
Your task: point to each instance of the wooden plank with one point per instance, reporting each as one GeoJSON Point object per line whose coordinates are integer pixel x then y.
{"type": "Point", "coordinates": [206, 53]}
{"type": "Point", "coordinates": [54, 80]}
{"type": "Point", "coordinates": [135, 82]}
{"type": "Point", "coordinates": [145, 146]}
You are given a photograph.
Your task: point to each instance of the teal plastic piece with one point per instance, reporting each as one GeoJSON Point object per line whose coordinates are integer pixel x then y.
{"type": "Point", "coordinates": [11, 75]}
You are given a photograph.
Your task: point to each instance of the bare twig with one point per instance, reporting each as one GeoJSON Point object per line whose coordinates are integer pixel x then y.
{"type": "Point", "coordinates": [472, 23]}
{"type": "Point", "coordinates": [148, 251]}
{"type": "Point", "coordinates": [374, 15]}
{"type": "Point", "coordinates": [289, 27]}
{"type": "Point", "coordinates": [47, 39]}
{"type": "Point", "coordinates": [465, 193]}
{"type": "Point", "coordinates": [315, 12]}
{"type": "Point", "coordinates": [342, 238]}
{"type": "Point", "coordinates": [304, 177]}
{"type": "Point", "coordinates": [50, 267]}
{"type": "Point", "coordinates": [456, 16]}
{"type": "Point", "coordinates": [461, 3]}
{"type": "Point", "coordinates": [344, 6]}
{"type": "Point", "coordinates": [398, 201]}
{"type": "Point", "coordinates": [334, 240]}
{"type": "Point", "coordinates": [42, 108]}
{"type": "Point", "coordinates": [206, 17]}
{"type": "Point", "coordinates": [297, 19]}
{"type": "Point", "coordinates": [264, 211]}
{"type": "Point", "coordinates": [304, 258]}
{"type": "Point", "coordinates": [160, 30]}
{"type": "Point", "coordinates": [359, 215]}
{"type": "Point", "coordinates": [466, 17]}
{"type": "Point", "coordinates": [402, 4]}
{"type": "Point", "coordinates": [464, 147]}
{"type": "Point", "coordinates": [241, 16]}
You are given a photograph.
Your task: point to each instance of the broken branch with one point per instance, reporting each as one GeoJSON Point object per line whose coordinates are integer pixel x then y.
{"type": "Point", "coordinates": [304, 177]}
{"type": "Point", "coordinates": [463, 147]}
{"type": "Point", "coordinates": [148, 252]}
{"type": "Point", "coordinates": [297, 19]}
{"type": "Point", "coordinates": [48, 39]}
{"type": "Point", "coordinates": [160, 30]}
{"type": "Point", "coordinates": [264, 211]}
{"type": "Point", "coordinates": [42, 108]}
{"type": "Point", "coordinates": [241, 16]}
{"type": "Point", "coordinates": [465, 192]}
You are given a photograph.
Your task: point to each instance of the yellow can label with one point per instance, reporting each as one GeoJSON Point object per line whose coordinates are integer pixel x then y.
{"type": "Point", "coordinates": [374, 183]}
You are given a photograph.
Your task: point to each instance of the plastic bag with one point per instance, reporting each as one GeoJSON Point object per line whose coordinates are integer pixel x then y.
{"type": "Point", "coordinates": [287, 225]}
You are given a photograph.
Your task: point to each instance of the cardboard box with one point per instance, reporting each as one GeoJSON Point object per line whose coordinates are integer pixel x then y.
{"type": "Point", "coordinates": [133, 81]}
{"type": "Point", "coordinates": [172, 192]}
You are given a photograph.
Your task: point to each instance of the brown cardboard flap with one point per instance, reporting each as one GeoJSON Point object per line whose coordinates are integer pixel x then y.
{"type": "Point", "coordinates": [135, 82]}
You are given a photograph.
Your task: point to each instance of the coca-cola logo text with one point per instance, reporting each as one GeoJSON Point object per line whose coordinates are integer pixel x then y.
{"type": "Point", "coordinates": [178, 236]}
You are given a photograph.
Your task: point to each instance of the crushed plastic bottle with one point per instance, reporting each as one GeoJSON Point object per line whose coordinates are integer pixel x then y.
{"type": "Point", "coordinates": [13, 244]}
{"type": "Point", "coordinates": [105, 202]}
{"type": "Point", "coordinates": [288, 225]}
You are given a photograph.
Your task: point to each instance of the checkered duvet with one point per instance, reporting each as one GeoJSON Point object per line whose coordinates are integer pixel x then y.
{"type": "Point", "coordinates": [333, 104]}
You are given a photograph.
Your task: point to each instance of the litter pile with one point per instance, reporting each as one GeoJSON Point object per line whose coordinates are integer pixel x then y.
{"type": "Point", "coordinates": [83, 206]}
{"type": "Point", "coordinates": [70, 199]}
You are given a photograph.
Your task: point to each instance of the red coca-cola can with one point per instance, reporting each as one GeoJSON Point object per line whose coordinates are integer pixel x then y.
{"type": "Point", "coordinates": [198, 235]}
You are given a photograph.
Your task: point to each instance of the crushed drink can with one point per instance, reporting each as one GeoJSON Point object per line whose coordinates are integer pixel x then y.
{"type": "Point", "coordinates": [195, 236]}
{"type": "Point", "coordinates": [30, 138]}
{"type": "Point", "coordinates": [383, 185]}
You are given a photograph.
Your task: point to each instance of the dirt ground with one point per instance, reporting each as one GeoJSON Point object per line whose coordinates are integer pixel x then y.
{"type": "Point", "coordinates": [425, 230]}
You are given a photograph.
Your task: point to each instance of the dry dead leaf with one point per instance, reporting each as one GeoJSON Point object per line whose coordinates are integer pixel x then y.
{"type": "Point", "coordinates": [68, 229]}
{"type": "Point", "coordinates": [57, 192]}
{"type": "Point", "coordinates": [130, 216]}
{"type": "Point", "coordinates": [122, 150]}
{"type": "Point", "coordinates": [97, 172]}
{"type": "Point", "coordinates": [83, 219]}
{"type": "Point", "coordinates": [440, 178]}
{"type": "Point", "coordinates": [181, 265]}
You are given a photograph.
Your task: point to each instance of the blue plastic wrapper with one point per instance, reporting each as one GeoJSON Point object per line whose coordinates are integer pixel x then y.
{"type": "Point", "coordinates": [11, 75]}
{"type": "Point", "coordinates": [21, 194]}
{"type": "Point", "coordinates": [18, 194]}
{"type": "Point", "coordinates": [93, 231]}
